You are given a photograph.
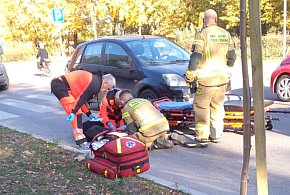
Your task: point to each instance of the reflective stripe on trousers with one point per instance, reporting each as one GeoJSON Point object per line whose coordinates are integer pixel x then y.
{"type": "Point", "coordinates": [78, 134]}
{"type": "Point", "coordinates": [202, 130]}
{"type": "Point", "coordinates": [151, 124]}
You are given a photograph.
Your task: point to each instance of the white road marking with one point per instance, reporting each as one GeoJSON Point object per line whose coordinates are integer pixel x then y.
{"type": "Point", "coordinates": [6, 115]}
{"type": "Point", "coordinates": [28, 106]}
{"type": "Point", "coordinates": [43, 97]}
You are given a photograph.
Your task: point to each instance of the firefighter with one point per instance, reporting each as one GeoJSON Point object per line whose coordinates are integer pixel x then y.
{"type": "Point", "coordinates": [144, 121]}
{"type": "Point", "coordinates": [213, 55]}
{"type": "Point", "coordinates": [73, 90]}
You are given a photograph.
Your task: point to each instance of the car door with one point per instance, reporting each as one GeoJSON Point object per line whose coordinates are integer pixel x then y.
{"type": "Point", "coordinates": [119, 63]}
{"type": "Point", "coordinates": [92, 58]}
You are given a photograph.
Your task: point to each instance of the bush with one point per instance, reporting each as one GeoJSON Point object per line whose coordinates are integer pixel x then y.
{"type": "Point", "coordinates": [272, 44]}
{"type": "Point", "coordinates": [183, 38]}
{"type": "Point", "coordinates": [15, 51]}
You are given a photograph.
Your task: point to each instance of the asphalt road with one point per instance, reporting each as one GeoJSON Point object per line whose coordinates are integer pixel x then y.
{"type": "Point", "coordinates": [28, 106]}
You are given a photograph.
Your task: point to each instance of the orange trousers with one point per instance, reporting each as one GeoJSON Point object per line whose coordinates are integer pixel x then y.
{"type": "Point", "coordinates": [68, 104]}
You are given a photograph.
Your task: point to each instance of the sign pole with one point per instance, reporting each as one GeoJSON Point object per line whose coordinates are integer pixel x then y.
{"type": "Point", "coordinates": [58, 17]}
{"type": "Point", "coordinates": [284, 29]}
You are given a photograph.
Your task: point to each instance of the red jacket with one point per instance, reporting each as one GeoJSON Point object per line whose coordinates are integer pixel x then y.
{"type": "Point", "coordinates": [83, 87]}
{"type": "Point", "coordinates": [109, 112]}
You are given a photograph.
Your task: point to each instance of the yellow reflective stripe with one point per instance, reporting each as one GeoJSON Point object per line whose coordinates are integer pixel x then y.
{"type": "Point", "coordinates": [207, 52]}
{"type": "Point", "coordinates": [198, 42]}
{"type": "Point", "coordinates": [89, 166]}
{"type": "Point", "coordinates": [199, 126]}
{"type": "Point", "coordinates": [190, 73]}
{"type": "Point", "coordinates": [138, 170]}
{"type": "Point", "coordinates": [119, 146]}
{"type": "Point", "coordinates": [106, 173]}
{"type": "Point", "coordinates": [125, 114]}
{"type": "Point", "coordinates": [135, 104]}
{"type": "Point", "coordinates": [152, 124]}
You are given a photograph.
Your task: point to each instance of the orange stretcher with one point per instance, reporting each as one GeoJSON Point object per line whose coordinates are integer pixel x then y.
{"type": "Point", "coordinates": [180, 114]}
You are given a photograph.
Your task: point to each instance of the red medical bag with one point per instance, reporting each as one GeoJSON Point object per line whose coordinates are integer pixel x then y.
{"type": "Point", "coordinates": [120, 157]}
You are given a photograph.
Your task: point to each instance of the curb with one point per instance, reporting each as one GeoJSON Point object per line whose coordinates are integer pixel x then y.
{"type": "Point", "coordinates": [169, 184]}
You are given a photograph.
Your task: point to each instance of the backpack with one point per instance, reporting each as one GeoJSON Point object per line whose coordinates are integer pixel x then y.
{"type": "Point", "coordinates": [117, 155]}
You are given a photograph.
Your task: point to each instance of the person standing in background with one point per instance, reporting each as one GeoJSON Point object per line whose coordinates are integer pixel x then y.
{"type": "Point", "coordinates": [213, 55]}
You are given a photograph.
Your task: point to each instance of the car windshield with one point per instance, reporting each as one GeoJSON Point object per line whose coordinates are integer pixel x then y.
{"type": "Point", "coordinates": [158, 51]}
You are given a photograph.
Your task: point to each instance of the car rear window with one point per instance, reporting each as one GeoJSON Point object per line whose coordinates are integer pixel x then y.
{"type": "Point", "coordinates": [92, 54]}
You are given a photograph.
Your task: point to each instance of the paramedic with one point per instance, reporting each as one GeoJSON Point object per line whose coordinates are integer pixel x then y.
{"type": "Point", "coordinates": [212, 57]}
{"type": "Point", "coordinates": [144, 121]}
{"type": "Point", "coordinates": [110, 113]}
{"type": "Point", "coordinates": [73, 90]}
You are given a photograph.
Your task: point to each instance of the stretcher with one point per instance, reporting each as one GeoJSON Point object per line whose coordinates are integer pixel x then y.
{"type": "Point", "coordinates": [180, 114]}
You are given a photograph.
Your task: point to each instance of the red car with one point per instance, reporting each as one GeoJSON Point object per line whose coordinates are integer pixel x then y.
{"type": "Point", "coordinates": [280, 80]}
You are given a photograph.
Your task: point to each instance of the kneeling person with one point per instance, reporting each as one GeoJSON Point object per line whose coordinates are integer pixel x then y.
{"type": "Point", "coordinates": [144, 121]}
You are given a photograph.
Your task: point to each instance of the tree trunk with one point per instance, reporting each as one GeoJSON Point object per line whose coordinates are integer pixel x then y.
{"type": "Point", "coordinates": [246, 100]}
{"type": "Point", "coordinates": [258, 88]}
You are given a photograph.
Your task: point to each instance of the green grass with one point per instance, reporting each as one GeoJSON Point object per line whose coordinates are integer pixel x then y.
{"type": "Point", "coordinates": [32, 166]}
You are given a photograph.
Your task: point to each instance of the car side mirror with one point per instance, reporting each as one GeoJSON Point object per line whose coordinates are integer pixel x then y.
{"type": "Point", "coordinates": [123, 64]}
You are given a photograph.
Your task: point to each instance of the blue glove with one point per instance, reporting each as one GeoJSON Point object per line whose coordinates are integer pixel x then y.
{"type": "Point", "coordinates": [111, 126]}
{"type": "Point", "coordinates": [95, 118]}
{"type": "Point", "coordinates": [123, 127]}
{"type": "Point", "coordinates": [71, 117]}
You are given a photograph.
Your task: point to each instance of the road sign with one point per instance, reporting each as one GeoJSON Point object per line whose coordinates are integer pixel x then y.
{"type": "Point", "coordinates": [57, 15]}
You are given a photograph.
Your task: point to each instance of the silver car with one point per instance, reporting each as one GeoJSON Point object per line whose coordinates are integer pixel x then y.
{"type": "Point", "coordinates": [4, 80]}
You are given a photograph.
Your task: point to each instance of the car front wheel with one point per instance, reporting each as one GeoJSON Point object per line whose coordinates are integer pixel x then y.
{"type": "Point", "coordinates": [282, 88]}
{"type": "Point", "coordinates": [148, 94]}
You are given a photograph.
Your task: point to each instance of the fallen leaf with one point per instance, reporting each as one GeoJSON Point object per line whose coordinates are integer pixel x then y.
{"type": "Point", "coordinates": [79, 158]}
{"type": "Point", "coordinates": [26, 152]}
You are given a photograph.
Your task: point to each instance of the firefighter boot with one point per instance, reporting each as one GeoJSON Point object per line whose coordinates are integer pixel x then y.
{"type": "Point", "coordinates": [79, 137]}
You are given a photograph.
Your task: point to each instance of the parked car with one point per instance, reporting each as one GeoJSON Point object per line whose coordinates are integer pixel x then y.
{"type": "Point", "coordinates": [150, 66]}
{"type": "Point", "coordinates": [4, 80]}
{"type": "Point", "coordinates": [280, 80]}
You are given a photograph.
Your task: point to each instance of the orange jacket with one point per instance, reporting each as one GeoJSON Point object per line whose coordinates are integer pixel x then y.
{"type": "Point", "coordinates": [83, 86]}
{"type": "Point", "coordinates": [109, 111]}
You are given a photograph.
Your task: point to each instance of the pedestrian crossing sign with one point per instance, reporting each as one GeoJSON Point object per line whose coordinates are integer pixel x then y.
{"type": "Point", "coordinates": [57, 15]}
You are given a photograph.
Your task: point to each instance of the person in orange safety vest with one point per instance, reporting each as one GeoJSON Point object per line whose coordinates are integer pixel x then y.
{"type": "Point", "coordinates": [110, 113]}
{"type": "Point", "coordinates": [73, 90]}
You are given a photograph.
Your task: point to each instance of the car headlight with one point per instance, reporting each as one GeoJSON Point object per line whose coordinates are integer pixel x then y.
{"type": "Point", "coordinates": [174, 80]}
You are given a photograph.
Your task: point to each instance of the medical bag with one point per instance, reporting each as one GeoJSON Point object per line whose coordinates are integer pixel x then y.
{"type": "Point", "coordinates": [122, 155]}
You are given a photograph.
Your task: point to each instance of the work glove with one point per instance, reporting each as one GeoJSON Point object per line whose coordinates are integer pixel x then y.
{"type": "Point", "coordinates": [93, 117]}
{"type": "Point", "coordinates": [111, 126]}
{"type": "Point", "coordinates": [71, 117]}
{"type": "Point", "coordinates": [123, 127]}
{"type": "Point", "coordinates": [190, 75]}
